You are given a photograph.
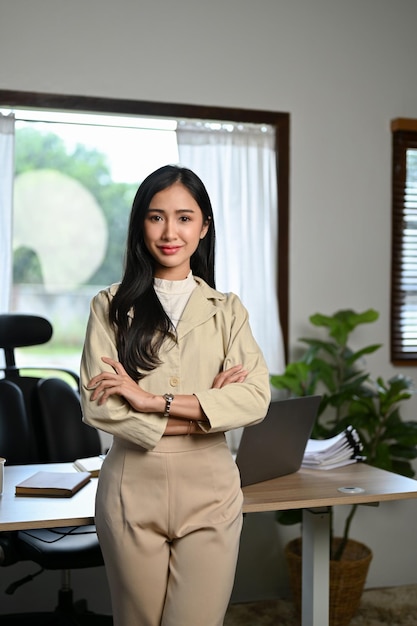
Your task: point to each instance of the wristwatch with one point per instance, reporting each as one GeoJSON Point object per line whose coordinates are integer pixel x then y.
{"type": "Point", "coordinates": [168, 397]}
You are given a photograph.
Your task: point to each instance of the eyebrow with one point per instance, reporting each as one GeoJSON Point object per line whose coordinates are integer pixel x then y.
{"type": "Point", "coordinates": [156, 210]}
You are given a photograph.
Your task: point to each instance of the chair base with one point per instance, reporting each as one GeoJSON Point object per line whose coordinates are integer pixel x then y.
{"type": "Point", "coordinates": [67, 613]}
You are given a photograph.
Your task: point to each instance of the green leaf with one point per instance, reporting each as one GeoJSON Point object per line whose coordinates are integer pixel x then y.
{"type": "Point", "coordinates": [357, 355]}
{"type": "Point", "coordinates": [343, 322]}
{"type": "Point", "coordinates": [316, 345]}
{"type": "Point", "coordinates": [296, 379]}
{"type": "Point", "coordinates": [382, 457]}
{"type": "Point", "coordinates": [403, 452]}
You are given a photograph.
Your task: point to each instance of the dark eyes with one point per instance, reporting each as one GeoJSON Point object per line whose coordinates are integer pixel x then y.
{"type": "Point", "coordinates": [158, 218]}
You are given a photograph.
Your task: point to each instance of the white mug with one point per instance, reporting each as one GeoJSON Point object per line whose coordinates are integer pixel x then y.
{"type": "Point", "coordinates": [2, 462]}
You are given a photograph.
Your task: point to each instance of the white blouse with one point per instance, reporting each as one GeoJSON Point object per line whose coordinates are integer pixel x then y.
{"type": "Point", "coordinates": [174, 295]}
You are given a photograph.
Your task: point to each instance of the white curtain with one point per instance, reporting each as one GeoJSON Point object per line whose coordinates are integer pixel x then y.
{"type": "Point", "coordinates": [7, 123]}
{"type": "Point", "coordinates": [237, 163]}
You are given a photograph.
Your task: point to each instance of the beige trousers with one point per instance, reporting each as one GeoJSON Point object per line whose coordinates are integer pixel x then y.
{"type": "Point", "coordinates": [169, 523]}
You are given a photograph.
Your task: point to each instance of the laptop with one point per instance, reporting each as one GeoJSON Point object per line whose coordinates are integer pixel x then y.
{"type": "Point", "coordinates": [275, 447]}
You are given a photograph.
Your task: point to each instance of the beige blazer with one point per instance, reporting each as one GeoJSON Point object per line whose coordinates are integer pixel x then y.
{"type": "Point", "coordinates": [212, 335]}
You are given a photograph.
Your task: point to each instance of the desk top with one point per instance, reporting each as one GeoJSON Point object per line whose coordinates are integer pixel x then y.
{"type": "Point", "coordinates": [18, 513]}
{"type": "Point", "coordinates": [317, 488]}
{"type": "Point", "coordinates": [304, 489]}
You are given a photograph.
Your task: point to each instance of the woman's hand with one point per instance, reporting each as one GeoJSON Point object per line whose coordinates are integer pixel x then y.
{"type": "Point", "coordinates": [119, 383]}
{"type": "Point", "coordinates": [184, 426]}
{"type": "Point", "coordinates": [235, 374]}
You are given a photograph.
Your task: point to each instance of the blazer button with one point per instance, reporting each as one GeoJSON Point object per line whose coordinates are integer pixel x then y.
{"type": "Point", "coordinates": [174, 381]}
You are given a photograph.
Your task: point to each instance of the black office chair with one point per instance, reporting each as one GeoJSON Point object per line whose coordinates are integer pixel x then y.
{"type": "Point", "coordinates": [67, 438]}
{"type": "Point", "coordinates": [41, 422]}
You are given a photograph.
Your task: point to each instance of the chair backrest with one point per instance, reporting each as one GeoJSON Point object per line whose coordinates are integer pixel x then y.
{"type": "Point", "coordinates": [67, 437]}
{"type": "Point", "coordinates": [16, 436]}
{"type": "Point", "coordinates": [18, 330]}
{"type": "Point", "coordinates": [40, 418]}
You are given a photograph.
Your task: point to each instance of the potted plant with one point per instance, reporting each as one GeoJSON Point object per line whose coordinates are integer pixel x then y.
{"type": "Point", "coordinates": [350, 396]}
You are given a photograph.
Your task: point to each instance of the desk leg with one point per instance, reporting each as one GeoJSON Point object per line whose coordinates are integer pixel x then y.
{"type": "Point", "coordinates": [315, 564]}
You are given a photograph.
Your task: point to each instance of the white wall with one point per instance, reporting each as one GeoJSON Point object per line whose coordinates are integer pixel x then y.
{"type": "Point", "coordinates": [342, 70]}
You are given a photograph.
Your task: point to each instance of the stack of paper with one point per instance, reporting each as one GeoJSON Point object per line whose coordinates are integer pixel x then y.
{"type": "Point", "coordinates": [342, 449]}
{"type": "Point", "coordinates": [90, 464]}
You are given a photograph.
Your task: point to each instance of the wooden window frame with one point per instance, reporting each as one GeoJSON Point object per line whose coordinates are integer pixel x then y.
{"type": "Point", "coordinates": [280, 122]}
{"type": "Point", "coordinates": [404, 137]}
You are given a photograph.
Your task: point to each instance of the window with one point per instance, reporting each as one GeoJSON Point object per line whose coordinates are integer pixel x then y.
{"type": "Point", "coordinates": [75, 177]}
{"type": "Point", "coordinates": [158, 111]}
{"type": "Point", "coordinates": [404, 243]}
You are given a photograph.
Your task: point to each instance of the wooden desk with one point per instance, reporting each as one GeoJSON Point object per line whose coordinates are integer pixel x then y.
{"type": "Point", "coordinates": [311, 490]}
{"type": "Point", "coordinates": [315, 491]}
{"type": "Point", "coordinates": [319, 488]}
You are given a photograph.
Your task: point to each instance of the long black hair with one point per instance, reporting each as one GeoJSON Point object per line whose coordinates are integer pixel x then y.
{"type": "Point", "coordinates": [140, 336]}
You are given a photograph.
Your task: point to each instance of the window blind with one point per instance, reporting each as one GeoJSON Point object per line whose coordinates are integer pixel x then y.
{"type": "Point", "coordinates": [404, 243]}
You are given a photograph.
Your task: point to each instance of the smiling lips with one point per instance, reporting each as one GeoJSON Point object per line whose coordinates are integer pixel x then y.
{"type": "Point", "coordinates": [169, 249]}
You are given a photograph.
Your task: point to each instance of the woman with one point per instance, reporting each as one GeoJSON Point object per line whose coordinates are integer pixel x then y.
{"type": "Point", "coordinates": [170, 364]}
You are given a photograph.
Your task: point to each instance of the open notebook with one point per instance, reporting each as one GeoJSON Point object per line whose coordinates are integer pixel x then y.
{"type": "Point", "coordinates": [276, 446]}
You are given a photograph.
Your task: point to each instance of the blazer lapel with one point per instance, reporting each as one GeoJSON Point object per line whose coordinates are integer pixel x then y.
{"type": "Point", "coordinates": [200, 307]}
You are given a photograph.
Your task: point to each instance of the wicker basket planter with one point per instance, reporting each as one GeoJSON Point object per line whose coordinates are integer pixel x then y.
{"type": "Point", "coordinates": [347, 579]}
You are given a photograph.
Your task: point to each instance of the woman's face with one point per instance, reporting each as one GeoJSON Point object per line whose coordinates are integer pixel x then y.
{"type": "Point", "coordinates": [173, 227]}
